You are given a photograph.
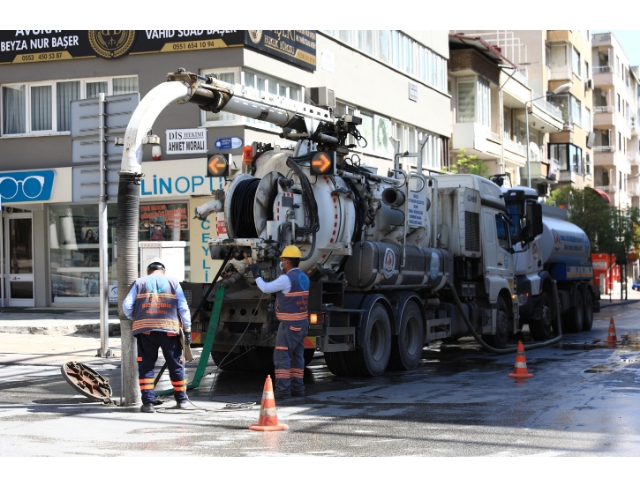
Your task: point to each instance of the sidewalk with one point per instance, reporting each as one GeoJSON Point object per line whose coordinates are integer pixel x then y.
{"type": "Point", "coordinates": [55, 321]}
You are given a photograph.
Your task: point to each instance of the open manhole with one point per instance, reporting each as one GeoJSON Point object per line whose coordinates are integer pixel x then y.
{"type": "Point", "coordinates": [87, 381]}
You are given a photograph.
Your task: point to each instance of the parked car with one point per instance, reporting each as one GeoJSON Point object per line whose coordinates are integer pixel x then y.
{"type": "Point", "coordinates": [636, 285]}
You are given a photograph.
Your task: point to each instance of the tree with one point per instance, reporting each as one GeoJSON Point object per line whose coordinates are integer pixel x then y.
{"type": "Point", "coordinates": [469, 165]}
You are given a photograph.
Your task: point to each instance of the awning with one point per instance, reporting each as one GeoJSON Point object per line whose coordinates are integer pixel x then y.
{"type": "Point", "coordinates": [604, 195]}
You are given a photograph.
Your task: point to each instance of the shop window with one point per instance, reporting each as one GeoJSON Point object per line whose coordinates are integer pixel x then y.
{"type": "Point", "coordinates": [161, 222]}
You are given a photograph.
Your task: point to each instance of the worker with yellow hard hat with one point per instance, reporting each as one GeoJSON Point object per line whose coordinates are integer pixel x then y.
{"type": "Point", "coordinates": [292, 297]}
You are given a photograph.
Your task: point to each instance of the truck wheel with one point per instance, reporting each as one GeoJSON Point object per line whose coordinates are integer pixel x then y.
{"type": "Point", "coordinates": [542, 329]}
{"type": "Point", "coordinates": [588, 311]}
{"type": "Point", "coordinates": [406, 348]}
{"type": "Point", "coordinates": [338, 363]}
{"type": "Point", "coordinates": [501, 338]}
{"type": "Point", "coordinates": [372, 358]}
{"type": "Point", "coordinates": [574, 322]}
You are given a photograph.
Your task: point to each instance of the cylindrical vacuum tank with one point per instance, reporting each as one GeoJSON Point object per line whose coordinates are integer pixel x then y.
{"type": "Point", "coordinates": [563, 242]}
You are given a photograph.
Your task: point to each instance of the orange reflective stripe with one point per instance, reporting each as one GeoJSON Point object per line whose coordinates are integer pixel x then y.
{"type": "Point", "coordinates": [139, 359]}
{"type": "Point", "coordinates": [145, 387]}
{"type": "Point", "coordinates": [293, 328]}
{"type": "Point", "coordinates": [298, 293]}
{"type": "Point", "coordinates": [282, 348]}
{"type": "Point", "coordinates": [178, 383]}
{"type": "Point", "coordinates": [169, 334]}
{"type": "Point", "coordinates": [179, 389]}
{"type": "Point", "coordinates": [146, 381]}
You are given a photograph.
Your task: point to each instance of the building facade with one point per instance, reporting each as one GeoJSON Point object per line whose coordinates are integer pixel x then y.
{"type": "Point", "coordinates": [395, 80]}
{"type": "Point", "coordinates": [616, 136]}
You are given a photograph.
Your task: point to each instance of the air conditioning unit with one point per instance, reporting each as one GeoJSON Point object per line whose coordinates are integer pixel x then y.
{"type": "Point", "coordinates": [591, 139]}
{"type": "Point", "coordinates": [323, 96]}
{"type": "Point", "coordinates": [589, 84]}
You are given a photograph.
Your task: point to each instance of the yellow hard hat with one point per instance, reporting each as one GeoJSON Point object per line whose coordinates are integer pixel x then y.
{"type": "Point", "coordinates": [291, 252]}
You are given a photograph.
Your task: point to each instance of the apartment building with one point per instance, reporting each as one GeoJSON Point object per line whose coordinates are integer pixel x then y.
{"type": "Point", "coordinates": [396, 80]}
{"type": "Point", "coordinates": [548, 60]}
{"type": "Point", "coordinates": [615, 104]}
{"type": "Point", "coordinates": [492, 108]}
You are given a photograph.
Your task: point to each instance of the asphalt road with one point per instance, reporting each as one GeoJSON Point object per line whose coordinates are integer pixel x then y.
{"type": "Point", "coordinates": [582, 401]}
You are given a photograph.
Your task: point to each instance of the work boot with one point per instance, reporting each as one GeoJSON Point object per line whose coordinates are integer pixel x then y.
{"type": "Point", "coordinates": [181, 405]}
{"type": "Point", "coordinates": [148, 408]}
{"type": "Point", "coordinates": [282, 394]}
{"type": "Point", "coordinates": [295, 393]}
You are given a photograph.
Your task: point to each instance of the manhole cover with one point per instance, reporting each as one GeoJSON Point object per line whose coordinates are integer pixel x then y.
{"type": "Point", "coordinates": [86, 381]}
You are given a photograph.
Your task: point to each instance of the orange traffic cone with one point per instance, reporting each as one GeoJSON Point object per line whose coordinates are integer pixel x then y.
{"type": "Point", "coordinates": [612, 338]}
{"type": "Point", "coordinates": [268, 420]}
{"type": "Point", "coordinates": [520, 371]}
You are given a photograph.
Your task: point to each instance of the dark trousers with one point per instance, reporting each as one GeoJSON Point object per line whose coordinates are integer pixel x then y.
{"type": "Point", "coordinates": [148, 345]}
{"type": "Point", "coordinates": [288, 357]}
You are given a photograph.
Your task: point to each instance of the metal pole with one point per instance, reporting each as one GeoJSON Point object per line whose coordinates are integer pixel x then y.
{"type": "Point", "coordinates": [103, 288]}
{"type": "Point", "coordinates": [2, 263]}
{"type": "Point", "coordinates": [526, 122]}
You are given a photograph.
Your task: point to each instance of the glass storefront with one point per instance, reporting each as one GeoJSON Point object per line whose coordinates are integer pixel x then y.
{"type": "Point", "coordinates": [74, 245]}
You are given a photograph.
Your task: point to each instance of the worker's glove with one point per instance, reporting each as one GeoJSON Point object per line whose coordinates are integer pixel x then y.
{"type": "Point", "coordinates": [187, 338]}
{"type": "Point", "coordinates": [255, 270]}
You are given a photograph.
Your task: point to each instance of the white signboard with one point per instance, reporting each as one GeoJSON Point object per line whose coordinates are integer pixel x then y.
{"type": "Point", "coordinates": [417, 210]}
{"type": "Point", "coordinates": [177, 178]}
{"type": "Point", "coordinates": [186, 141]}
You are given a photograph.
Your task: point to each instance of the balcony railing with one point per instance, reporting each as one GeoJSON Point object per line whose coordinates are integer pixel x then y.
{"type": "Point", "coordinates": [633, 157]}
{"type": "Point", "coordinates": [607, 189]}
{"type": "Point", "coordinates": [493, 136]}
{"type": "Point", "coordinates": [603, 109]}
{"type": "Point", "coordinates": [548, 107]}
{"type": "Point", "coordinates": [561, 72]}
{"type": "Point", "coordinates": [604, 148]}
{"type": "Point", "coordinates": [602, 69]}
{"type": "Point", "coordinates": [514, 146]}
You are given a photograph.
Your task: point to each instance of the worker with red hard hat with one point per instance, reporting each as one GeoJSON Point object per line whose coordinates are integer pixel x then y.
{"type": "Point", "coordinates": [292, 297]}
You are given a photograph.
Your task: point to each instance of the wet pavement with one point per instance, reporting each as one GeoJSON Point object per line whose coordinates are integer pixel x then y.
{"type": "Point", "coordinates": [582, 401]}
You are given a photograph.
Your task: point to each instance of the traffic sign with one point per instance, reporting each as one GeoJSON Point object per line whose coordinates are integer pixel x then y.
{"type": "Point", "coordinates": [323, 163]}
{"type": "Point", "coordinates": [217, 166]}
{"type": "Point", "coordinates": [228, 143]}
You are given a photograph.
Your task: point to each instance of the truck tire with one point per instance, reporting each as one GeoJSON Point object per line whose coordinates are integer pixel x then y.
{"type": "Point", "coordinates": [542, 329]}
{"type": "Point", "coordinates": [588, 311]}
{"type": "Point", "coordinates": [501, 338]}
{"type": "Point", "coordinates": [308, 355]}
{"type": "Point", "coordinates": [338, 363]}
{"type": "Point", "coordinates": [372, 357]}
{"type": "Point", "coordinates": [573, 319]}
{"type": "Point", "coordinates": [406, 347]}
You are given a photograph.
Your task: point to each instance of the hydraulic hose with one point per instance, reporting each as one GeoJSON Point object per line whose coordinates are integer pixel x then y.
{"type": "Point", "coordinates": [127, 232]}
{"type": "Point", "coordinates": [488, 347]}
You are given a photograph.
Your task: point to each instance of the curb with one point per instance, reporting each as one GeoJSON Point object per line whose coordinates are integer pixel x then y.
{"type": "Point", "coordinates": [619, 303]}
{"type": "Point", "coordinates": [114, 329]}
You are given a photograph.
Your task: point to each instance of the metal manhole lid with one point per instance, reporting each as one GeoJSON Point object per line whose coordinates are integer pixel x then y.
{"type": "Point", "coordinates": [86, 381]}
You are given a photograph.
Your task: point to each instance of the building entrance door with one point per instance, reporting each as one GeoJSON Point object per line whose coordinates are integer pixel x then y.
{"type": "Point", "coordinates": [17, 260]}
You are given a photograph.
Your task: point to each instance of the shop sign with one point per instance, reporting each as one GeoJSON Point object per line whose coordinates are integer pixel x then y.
{"type": "Point", "coordinates": [186, 141]}
{"type": "Point", "coordinates": [159, 218]}
{"type": "Point", "coordinates": [26, 186]}
{"type": "Point", "coordinates": [228, 143]}
{"type": "Point", "coordinates": [29, 46]}
{"type": "Point", "coordinates": [203, 267]}
{"type": "Point", "coordinates": [177, 178]}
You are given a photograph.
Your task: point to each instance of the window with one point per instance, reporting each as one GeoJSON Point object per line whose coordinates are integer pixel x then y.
{"type": "Point", "coordinates": [503, 232]}
{"type": "Point", "coordinates": [570, 107]}
{"type": "Point", "coordinates": [587, 73]}
{"type": "Point", "coordinates": [617, 65]}
{"type": "Point", "coordinates": [569, 157]}
{"type": "Point", "coordinates": [575, 62]}
{"type": "Point", "coordinates": [45, 107]}
{"type": "Point", "coordinates": [619, 103]}
{"type": "Point", "coordinates": [619, 179]}
{"type": "Point", "coordinates": [586, 119]}
{"type": "Point", "coordinates": [400, 51]}
{"type": "Point", "coordinates": [588, 163]}
{"type": "Point", "coordinates": [619, 141]}
{"type": "Point", "coordinates": [474, 101]}
{"type": "Point", "coordinates": [547, 55]}
{"type": "Point", "coordinates": [576, 111]}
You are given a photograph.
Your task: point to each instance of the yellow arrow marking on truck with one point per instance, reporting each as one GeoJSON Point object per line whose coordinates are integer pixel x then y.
{"type": "Point", "coordinates": [321, 163]}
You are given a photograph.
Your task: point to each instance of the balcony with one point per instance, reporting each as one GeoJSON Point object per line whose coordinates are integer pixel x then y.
{"type": "Point", "coordinates": [633, 189]}
{"type": "Point", "coordinates": [542, 171]}
{"type": "Point", "coordinates": [604, 117]}
{"type": "Point", "coordinates": [515, 147]}
{"type": "Point", "coordinates": [548, 107]}
{"type": "Point", "coordinates": [603, 109]}
{"type": "Point", "coordinates": [476, 139]}
{"type": "Point", "coordinates": [611, 188]}
{"type": "Point", "coordinates": [561, 73]}
{"type": "Point", "coordinates": [601, 40]}
{"type": "Point", "coordinates": [633, 157]}
{"type": "Point", "coordinates": [604, 148]}
{"type": "Point", "coordinates": [602, 69]}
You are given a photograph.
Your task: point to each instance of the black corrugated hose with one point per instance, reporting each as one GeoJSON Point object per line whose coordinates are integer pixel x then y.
{"type": "Point", "coordinates": [488, 347]}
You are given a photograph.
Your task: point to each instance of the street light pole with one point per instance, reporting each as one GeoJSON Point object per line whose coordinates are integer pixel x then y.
{"type": "Point", "coordinates": [557, 91]}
